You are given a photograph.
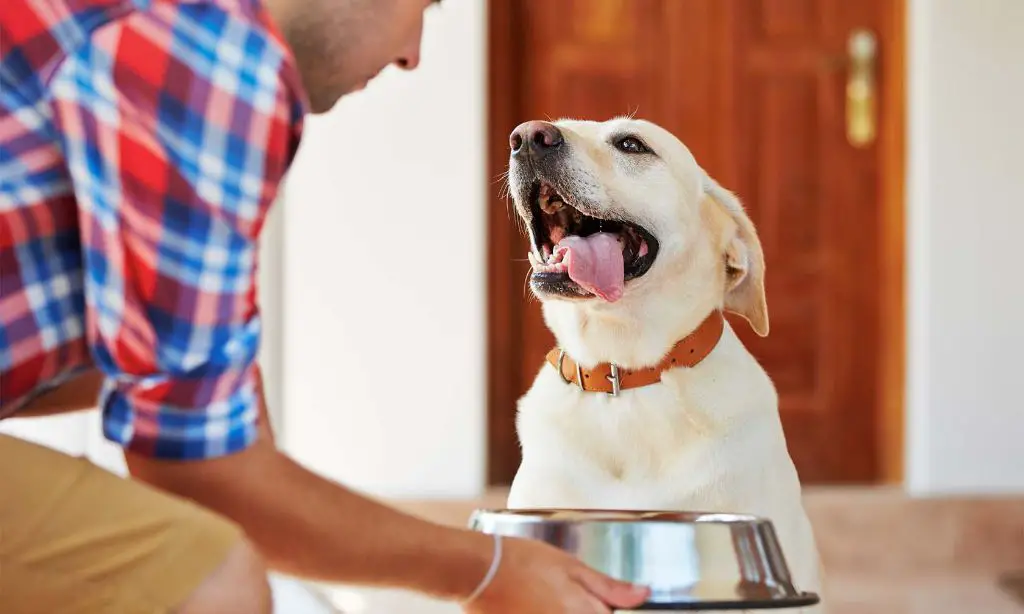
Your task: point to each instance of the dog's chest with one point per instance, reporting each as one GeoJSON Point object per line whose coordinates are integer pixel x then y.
{"type": "Point", "coordinates": [651, 448]}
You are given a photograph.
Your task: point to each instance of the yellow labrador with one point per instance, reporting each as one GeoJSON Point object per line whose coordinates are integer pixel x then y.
{"type": "Point", "coordinates": [636, 252]}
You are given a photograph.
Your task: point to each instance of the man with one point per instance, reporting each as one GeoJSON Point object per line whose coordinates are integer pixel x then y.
{"type": "Point", "coordinates": [141, 143]}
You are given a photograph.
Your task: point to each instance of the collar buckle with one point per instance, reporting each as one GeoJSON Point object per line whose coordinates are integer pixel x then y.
{"type": "Point", "coordinates": [561, 374]}
{"type": "Point", "coordinates": [615, 380]}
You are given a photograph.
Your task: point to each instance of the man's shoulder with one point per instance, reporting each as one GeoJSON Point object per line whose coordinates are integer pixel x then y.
{"type": "Point", "coordinates": [37, 35]}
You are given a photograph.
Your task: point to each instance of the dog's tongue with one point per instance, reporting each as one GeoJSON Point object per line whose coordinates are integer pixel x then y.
{"type": "Point", "coordinates": [595, 263]}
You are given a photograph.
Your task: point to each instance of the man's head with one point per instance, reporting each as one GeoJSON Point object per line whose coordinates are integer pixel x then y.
{"type": "Point", "coordinates": [341, 44]}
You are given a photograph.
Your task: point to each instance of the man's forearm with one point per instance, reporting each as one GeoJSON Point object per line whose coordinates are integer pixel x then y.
{"type": "Point", "coordinates": [311, 527]}
{"type": "Point", "coordinates": [76, 395]}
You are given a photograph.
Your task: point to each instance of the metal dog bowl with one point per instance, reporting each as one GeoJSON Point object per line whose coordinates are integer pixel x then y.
{"type": "Point", "coordinates": [690, 561]}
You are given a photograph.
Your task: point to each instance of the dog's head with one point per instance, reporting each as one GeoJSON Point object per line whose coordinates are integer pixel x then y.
{"type": "Point", "coordinates": [625, 223]}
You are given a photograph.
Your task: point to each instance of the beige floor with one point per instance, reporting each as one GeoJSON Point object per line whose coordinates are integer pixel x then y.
{"type": "Point", "coordinates": [884, 553]}
{"type": "Point", "coordinates": [931, 594]}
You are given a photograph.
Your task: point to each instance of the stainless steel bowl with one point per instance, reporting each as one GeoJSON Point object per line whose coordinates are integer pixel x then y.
{"type": "Point", "coordinates": [691, 561]}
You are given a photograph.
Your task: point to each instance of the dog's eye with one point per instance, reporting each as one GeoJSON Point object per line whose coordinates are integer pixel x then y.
{"type": "Point", "coordinates": [631, 144]}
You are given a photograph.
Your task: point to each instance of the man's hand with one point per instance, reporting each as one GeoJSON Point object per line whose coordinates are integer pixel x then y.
{"type": "Point", "coordinates": [537, 578]}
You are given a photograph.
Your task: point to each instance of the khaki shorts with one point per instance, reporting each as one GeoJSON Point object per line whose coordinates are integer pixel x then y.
{"type": "Point", "coordinates": [75, 539]}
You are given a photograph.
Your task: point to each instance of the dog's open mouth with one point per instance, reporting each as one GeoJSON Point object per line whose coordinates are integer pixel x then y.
{"type": "Point", "coordinates": [576, 254]}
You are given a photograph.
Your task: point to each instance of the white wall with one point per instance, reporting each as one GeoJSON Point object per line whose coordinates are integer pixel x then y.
{"type": "Point", "coordinates": [271, 282]}
{"type": "Point", "coordinates": [966, 178]}
{"type": "Point", "coordinates": [384, 297]}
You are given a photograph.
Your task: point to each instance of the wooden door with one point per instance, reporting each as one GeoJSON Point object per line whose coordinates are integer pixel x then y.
{"type": "Point", "coordinates": [757, 89]}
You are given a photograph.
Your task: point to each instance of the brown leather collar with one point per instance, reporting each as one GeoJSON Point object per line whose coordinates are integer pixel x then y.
{"type": "Point", "coordinates": [609, 378]}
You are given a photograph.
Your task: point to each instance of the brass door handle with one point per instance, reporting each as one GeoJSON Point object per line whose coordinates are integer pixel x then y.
{"type": "Point", "coordinates": [861, 103]}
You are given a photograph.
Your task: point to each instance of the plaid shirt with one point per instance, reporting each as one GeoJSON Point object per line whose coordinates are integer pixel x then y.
{"type": "Point", "coordinates": [141, 144]}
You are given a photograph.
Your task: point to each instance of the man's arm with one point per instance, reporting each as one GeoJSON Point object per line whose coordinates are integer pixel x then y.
{"type": "Point", "coordinates": [311, 527]}
{"type": "Point", "coordinates": [263, 491]}
{"type": "Point", "coordinates": [76, 395]}
{"type": "Point", "coordinates": [308, 526]}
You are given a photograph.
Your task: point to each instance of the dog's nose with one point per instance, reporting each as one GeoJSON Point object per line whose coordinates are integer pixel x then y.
{"type": "Point", "coordinates": [537, 136]}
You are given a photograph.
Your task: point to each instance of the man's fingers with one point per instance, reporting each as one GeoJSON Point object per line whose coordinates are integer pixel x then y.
{"type": "Point", "coordinates": [609, 591]}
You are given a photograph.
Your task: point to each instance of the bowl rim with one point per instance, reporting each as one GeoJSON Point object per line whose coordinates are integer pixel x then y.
{"type": "Point", "coordinates": [590, 516]}
{"type": "Point", "coordinates": [797, 600]}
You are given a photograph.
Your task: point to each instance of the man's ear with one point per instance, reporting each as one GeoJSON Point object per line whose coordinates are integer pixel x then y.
{"type": "Point", "coordinates": [743, 260]}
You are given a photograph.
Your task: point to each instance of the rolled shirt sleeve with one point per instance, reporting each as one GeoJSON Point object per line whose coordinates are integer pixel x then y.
{"type": "Point", "coordinates": [178, 124]}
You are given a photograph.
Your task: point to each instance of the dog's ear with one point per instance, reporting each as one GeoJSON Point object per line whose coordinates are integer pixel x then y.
{"type": "Point", "coordinates": [743, 260]}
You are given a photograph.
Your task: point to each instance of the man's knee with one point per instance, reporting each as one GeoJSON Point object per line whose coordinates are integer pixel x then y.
{"type": "Point", "coordinates": [238, 586]}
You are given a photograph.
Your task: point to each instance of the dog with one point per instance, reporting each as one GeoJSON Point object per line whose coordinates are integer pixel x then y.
{"type": "Point", "coordinates": [636, 254]}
